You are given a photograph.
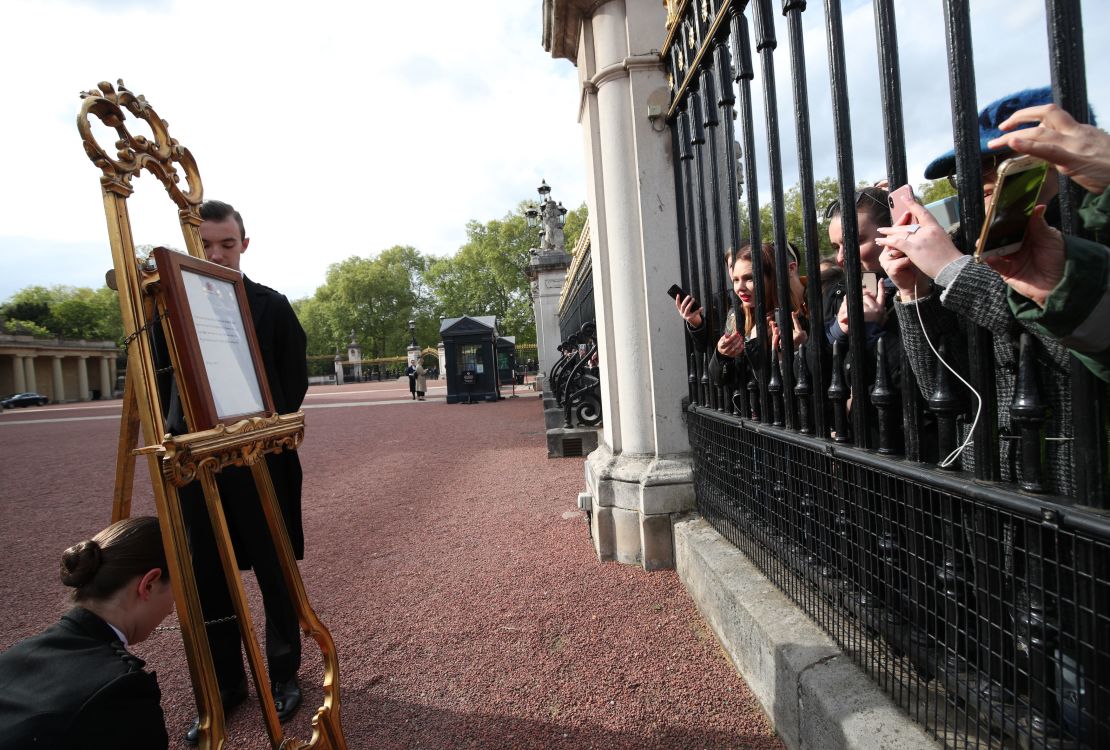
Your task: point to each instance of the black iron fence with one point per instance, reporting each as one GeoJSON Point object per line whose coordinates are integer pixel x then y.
{"type": "Point", "coordinates": [578, 305]}
{"type": "Point", "coordinates": [976, 594]}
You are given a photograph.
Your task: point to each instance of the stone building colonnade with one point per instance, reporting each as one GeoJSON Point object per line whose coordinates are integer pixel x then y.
{"type": "Point", "coordinates": [58, 368]}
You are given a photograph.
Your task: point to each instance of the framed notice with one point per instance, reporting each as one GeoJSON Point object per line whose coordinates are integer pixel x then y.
{"type": "Point", "coordinates": [218, 367]}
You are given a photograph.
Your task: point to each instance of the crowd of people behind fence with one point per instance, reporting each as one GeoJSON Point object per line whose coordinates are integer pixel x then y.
{"type": "Point", "coordinates": [924, 283]}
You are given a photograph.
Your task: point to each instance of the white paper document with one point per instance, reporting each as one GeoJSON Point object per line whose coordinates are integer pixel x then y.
{"type": "Point", "coordinates": [218, 321]}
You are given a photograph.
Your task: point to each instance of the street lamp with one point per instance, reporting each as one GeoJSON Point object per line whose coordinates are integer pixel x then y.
{"type": "Point", "coordinates": [412, 333]}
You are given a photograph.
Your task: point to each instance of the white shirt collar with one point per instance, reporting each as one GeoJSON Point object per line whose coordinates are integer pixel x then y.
{"type": "Point", "coordinates": [119, 633]}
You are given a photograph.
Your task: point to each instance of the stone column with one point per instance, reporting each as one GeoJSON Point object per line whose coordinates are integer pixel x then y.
{"type": "Point", "coordinates": [19, 382]}
{"type": "Point", "coordinates": [442, 361]}
{"type": "Point", "coordinates": [29, 374]}
{"type": "Point", "coordinates": [59, 393]}
{"type": "Point", "coordinates": [641, 472]}
{"type": "Point", "coordinates": [548, 272]}
{"type": "Point", "coordinates": [105, 387]}
{"type": "Point", "coordinates": [113, 373]}
{"type": "Point", "coordinates": [82, 379]}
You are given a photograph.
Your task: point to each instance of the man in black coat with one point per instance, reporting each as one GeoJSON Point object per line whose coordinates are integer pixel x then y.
{"type": "Point", "coordinates": [282, 344]}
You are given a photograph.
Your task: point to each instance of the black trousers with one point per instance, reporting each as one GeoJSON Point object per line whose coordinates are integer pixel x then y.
{"type": "Point", "coordinates": [250, 535]}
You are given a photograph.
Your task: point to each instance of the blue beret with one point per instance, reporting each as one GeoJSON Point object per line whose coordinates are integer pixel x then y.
{"type": "Point", "coordinates": [990, 117]}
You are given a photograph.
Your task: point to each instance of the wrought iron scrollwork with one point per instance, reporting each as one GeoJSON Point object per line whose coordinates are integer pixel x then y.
{"type": "Point", "coordinates": [577, 384]}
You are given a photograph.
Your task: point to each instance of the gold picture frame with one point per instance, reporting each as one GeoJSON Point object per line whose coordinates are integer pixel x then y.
{"type": "Point", "coordinates": [222, 376]}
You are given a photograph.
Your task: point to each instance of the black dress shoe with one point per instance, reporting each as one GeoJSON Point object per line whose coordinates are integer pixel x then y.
{"type": "Point", "coordinates": [287, 696]}
{"type": "Point", "coordinates": [230, 699]}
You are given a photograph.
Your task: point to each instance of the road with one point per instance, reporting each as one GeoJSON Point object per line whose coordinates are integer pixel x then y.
{"type": "Point", "coordinates": [445, 555]}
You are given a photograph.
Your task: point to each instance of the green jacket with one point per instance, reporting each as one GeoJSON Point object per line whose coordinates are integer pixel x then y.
{"type": "Point", "coordinates": [1077, 311]}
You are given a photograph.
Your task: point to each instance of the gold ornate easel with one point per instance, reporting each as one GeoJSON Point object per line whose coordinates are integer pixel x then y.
{"type": "Point", "coordinates": [174, 461]}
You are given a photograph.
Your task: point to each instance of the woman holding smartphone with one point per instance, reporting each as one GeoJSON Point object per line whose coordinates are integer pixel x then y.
{"type": "Point", "coordinates": [738, 355]}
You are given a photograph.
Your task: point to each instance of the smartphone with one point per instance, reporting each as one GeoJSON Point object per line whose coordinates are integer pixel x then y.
{"type": "Point", "coordinates": [1016, 192]}
{"type": "Point", "coordinates": [871, 282]}
{"type": "Point", "coordinates": [730, 322]}
{"type": "Point", "coordinates": [677, 292]}
{"type": "Point", "coordinates": [900, 201]}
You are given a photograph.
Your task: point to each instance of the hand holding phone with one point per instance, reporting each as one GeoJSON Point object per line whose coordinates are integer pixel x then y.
{"type": "Point", "coordinates": [690, 310]}
{"type": "Point", "coordinates": [899, 202]}
{"type": "Point", "coordinates": [871, 282]}
{"type": "Point", "coordinates": [1017, 191]}
{"type": "Point", "coordinates": [678, 293]}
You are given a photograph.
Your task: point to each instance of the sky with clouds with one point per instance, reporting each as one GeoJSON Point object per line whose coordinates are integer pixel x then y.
{"type": "Point", "coordinates": [342, 128]}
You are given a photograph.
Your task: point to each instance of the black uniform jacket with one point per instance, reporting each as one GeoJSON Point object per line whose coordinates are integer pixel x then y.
{"type": "Point", "coordinates": [75, 686]}
{"type": "Point", "coordinates": [282, 344]}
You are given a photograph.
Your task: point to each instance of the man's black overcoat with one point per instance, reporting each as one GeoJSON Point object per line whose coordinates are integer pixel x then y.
{"type": "Point", "coordinates": [281, 342]}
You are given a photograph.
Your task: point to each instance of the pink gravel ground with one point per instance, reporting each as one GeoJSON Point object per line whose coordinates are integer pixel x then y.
{"type": "Point", "coordinates": [445, 555]}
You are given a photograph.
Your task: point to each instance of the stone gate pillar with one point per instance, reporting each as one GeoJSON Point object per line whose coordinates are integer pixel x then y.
{"type": "Point", "coordinates": [354, 356]}
{"type": "Point", "coordinates": [547, 271]}
{"type": "Point", "coordinates": [641, 473]}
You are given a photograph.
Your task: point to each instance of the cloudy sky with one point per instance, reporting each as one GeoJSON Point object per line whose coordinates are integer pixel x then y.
{"type": "Point", "coordinates": [342, 128]}
{"type": "Point", "coordinates": [1010, 52]}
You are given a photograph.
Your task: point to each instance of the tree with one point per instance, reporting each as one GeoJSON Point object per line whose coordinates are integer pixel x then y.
{"type": "Point", "coordinates": [486, 276]}
{"type": "Point", "coordinates": [576, 221]}
{"type": "Point", "coordinates": [376, 297]}
{"type": "Point", "coordinates": [825, 190]}
{"type": "Point", "coordinates": [31, 305]}
{"type": "Point", "coordinates": [372, 297]}
{"type": "Point", "coordinates": [66, 312]}
{"type": "Point", "coordinates": [935, 190]}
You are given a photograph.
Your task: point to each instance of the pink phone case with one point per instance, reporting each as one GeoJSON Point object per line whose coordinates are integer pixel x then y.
{"type": "Point", "coordinates": [871, 282]}
{"type": "Point", "coordinates": [900, 201]}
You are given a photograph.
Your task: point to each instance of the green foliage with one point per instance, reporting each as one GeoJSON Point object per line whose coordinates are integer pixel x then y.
{"type": "Point", "coordinates": [486, 276]}
{"type": "Point", "coordinates": [572, 229]}
{"type": "Point", "coordinates": [826, 191]}
{"type": "Point", "coordinates": [66, 312]}
{"type": "Point", "coordinates": [373, 298]}
{"type": "Point", "coordinates": [376, 297]}
{"type": "Point", "coordinates": [935, 190]}
{"type": "Point", "coordinates": [27, 328]}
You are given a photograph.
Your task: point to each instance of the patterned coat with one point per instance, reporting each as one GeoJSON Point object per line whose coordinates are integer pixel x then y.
{"type": "Point", "coordinates": [975, 292]}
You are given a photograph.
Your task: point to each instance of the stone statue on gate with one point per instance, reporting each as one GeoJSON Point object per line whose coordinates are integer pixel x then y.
{"type": "Point", "coordinates": [553, 237]}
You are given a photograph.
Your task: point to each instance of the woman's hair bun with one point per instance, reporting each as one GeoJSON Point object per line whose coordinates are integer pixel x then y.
{"type": "Point", "coordinates": [80, 563]}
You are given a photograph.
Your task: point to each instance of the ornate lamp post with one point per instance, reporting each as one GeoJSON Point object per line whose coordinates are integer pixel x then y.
{"type": "Point", "coordinates": [549, 217]}
{"type": "Point", "coordinates": [547, 271]}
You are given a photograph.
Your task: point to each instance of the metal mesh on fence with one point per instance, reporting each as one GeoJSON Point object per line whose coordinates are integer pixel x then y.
{"type": "Point", "coordinates": [988, 621]}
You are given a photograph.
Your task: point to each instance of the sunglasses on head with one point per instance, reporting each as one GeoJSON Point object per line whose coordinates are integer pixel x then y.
{"type": "Point", "coordinates": [989, 166]}
{"type": "Point", "coordinates": [833, 208]}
